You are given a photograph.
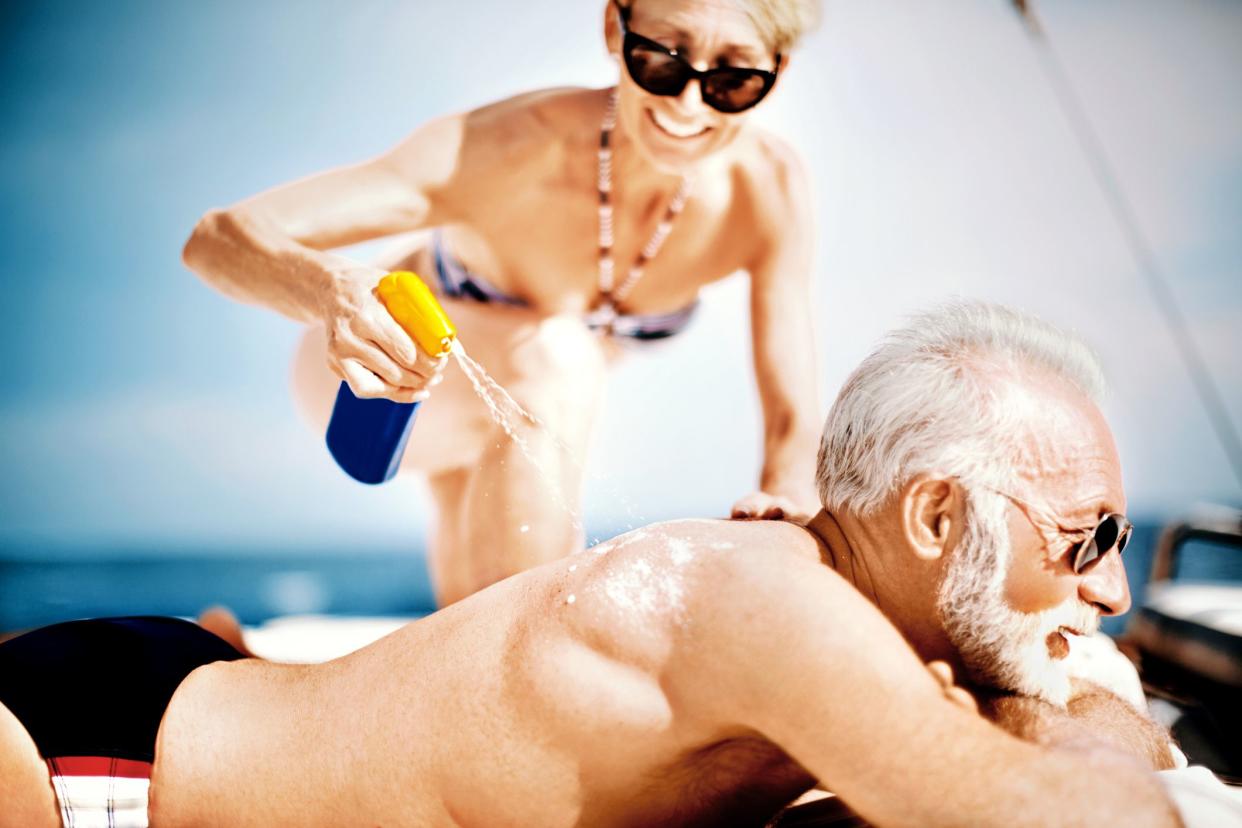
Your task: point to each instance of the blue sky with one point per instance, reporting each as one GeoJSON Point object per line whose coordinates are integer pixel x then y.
{"type": "Point", "coordinates": [142, 408]}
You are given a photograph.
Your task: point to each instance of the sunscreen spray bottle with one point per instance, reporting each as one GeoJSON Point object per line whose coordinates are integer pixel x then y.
{"type": "Point", "coordinates": [367, 436]}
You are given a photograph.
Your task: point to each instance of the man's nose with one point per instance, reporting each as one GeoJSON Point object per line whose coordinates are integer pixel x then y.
{"type": "Point", "coordinates": [1105, 585]}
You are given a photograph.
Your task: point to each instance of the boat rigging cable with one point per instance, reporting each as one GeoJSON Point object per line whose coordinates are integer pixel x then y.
{"type": "Point", "coordinates": [1123, 213]}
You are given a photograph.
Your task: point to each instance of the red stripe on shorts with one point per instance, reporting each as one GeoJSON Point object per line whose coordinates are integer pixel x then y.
{"type": "Point", "coordinates": [99, 766]}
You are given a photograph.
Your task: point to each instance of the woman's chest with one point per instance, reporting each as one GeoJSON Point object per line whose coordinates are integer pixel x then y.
{"type": "Point", "coordinates": [548, 242]}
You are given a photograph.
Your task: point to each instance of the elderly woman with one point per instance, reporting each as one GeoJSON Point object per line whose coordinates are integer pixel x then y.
{"type": "Point", "coordinates": [560, 226]}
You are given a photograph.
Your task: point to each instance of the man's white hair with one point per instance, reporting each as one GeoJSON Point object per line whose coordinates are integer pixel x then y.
{"type": "Point", "coordinates": [931, 398]}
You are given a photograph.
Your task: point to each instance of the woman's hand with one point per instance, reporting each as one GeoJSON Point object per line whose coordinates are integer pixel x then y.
{"type": "Point", "coordinates": [366, 346]}
{"type": "Point", "coordinates": [765, 506]}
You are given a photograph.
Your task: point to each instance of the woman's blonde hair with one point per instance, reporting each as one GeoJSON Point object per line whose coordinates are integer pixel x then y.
{"type": "Point", "coordinates": [780, 22]}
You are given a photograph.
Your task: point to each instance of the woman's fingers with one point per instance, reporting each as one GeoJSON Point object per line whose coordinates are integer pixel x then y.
{"type": "Point", "coordinates": [430, 372]}
{"type": "Point", "coordinates": [377, 358]}
{"type": "Point", "coordinates": [345, 345]}
{"type": "Point", "coordinates": [409, 395]}
{"type": "Point", "coordinates": [749, 507]}
{"type": "Point", "coordinates": [361, 381]}
{"type": "Point", "coordinates": [391, 338]}
{"type": "Point", "coordinates": [764, 506]}
{"type": "Point", "coordinates": [366, 385]}
{"type": "Point", "coordinates": [379, 363]}
{"type": "Point", "coordinates": [777, 509]}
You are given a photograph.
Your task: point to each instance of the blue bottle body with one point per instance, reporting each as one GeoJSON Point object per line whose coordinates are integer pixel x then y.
{"type": "Point", "coordinates": [367, 437]}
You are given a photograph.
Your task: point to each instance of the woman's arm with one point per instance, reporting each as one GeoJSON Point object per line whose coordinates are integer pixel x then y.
{"type": "Point", "coordinates": [783, 341]}
{"type": "Point", "coordinates": [270, 250]}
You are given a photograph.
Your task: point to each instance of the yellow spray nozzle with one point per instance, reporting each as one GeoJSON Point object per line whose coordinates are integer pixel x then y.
{"type": "Point", "coordinates": [415, 308]}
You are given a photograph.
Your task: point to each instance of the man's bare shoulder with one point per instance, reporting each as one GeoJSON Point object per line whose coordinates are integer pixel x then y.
{"type": "Point", "coordinates": [703, 610]}
{"type": "Point", "coordinates": [707, 545]}
{"type": "Point", "coordinates": [632, 606]}
{"type": "Point", "coordinates": [662, 578]}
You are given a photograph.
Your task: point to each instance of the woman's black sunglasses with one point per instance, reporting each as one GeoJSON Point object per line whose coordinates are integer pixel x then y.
{"type": "Point", "coordinates": [662, 71]}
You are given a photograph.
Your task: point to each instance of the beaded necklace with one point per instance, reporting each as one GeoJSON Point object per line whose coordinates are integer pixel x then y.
{"type": "Point", "coordinates": [610, 293]}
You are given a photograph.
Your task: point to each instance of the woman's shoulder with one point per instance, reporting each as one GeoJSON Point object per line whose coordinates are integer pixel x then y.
{"type": "Point", "coordinates": [770, 175]}
{"type": "Point", "coordinates": [523, 134]}
{"type": "Point", "coordinates": [538, 115]}
{"type": "Point", "coordinates": [768, 163]}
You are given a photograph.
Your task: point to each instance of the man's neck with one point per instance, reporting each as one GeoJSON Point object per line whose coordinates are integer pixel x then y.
{"type": "Point", "coordinates": [841, 554]}
{"type": "Point", "coordinates": [868, 559]}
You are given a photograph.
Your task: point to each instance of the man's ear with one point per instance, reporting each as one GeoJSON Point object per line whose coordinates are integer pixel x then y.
{"type": "Point", "coordinates": [930, 510]}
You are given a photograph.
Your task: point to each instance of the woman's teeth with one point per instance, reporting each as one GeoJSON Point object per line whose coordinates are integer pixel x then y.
{"type": "Point", "coordinates": [675, 129]}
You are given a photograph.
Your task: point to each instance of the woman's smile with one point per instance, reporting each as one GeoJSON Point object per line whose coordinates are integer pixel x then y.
{"type": "Point", "coordinates": [675, 128]}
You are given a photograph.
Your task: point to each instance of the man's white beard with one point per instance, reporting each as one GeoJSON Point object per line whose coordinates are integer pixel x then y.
{"type": "Point", "coordinates": [1001, 647]}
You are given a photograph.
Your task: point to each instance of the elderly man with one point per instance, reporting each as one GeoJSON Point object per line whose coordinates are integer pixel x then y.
{"type": "Point", "coordinates": [709, 672]}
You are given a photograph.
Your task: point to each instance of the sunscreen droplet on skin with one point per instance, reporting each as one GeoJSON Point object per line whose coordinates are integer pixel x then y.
{"type": "Point", "coordinates": [573, 568]}
{"type": "Point", "coordinates": [523, 528]}
{"type": "Point", "coordinates": [571, 599]}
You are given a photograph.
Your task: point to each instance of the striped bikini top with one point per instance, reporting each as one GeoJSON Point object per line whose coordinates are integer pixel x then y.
{"type": "Point", "coordinates": [458, 282]}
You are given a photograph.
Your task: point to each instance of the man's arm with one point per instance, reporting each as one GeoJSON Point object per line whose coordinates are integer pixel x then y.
{"type": "Point", "coordinates": [784, 646]}
{"type": "Point", "coordinates": [1095, 718]}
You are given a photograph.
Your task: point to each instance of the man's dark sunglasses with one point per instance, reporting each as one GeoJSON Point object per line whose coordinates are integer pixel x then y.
{"type": "Point", "coordinates": [1113, 530]}
{"type": "Point", "coordinates": [662, 71]}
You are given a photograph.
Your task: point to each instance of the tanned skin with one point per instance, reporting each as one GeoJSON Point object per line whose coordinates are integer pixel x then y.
{"type": "Point", "coordinates": [1095, 718]}
{"type": "Point", "coordinates": [513, 187]}
{"type": "Point", "coordinates": [690, 673]}
{"type": "Point", "coordinates": [681, 675]}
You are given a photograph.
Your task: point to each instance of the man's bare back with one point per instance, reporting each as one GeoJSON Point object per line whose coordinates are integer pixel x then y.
{"type": "Point", "coordinates": [538, 701]}
{"type": "Point", "coordinates": [705, 672]}
{"type": "Point", "coordinates": [669, 676]}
